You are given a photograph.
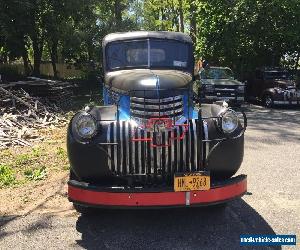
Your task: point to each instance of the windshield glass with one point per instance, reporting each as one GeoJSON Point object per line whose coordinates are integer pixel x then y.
{"type": "Point", "coordinates": [216, 73]}
{"type": "Point", "coordinates": [148, 53]}
{"type": "Point", "coordinates": [277, 75]}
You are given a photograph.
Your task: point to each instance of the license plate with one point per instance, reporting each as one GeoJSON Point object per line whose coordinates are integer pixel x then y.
{"type": "Point", "coordinates": [191, 181]}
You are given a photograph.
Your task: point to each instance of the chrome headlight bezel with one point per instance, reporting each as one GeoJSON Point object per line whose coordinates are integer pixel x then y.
{"type": "Point", "coordinates": [228, 116]}
{"type": "Point", "coordinates": [85, 121]}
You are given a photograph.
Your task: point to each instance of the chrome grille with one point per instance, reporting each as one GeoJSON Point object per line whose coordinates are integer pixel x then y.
{"type": "Point", "coordinates": [141, 109]}
{"type": "Point", "coordinates": [139, 158]}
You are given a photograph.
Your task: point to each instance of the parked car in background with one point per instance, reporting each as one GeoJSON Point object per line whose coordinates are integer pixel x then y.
{"type": "Point", "coordinates": [218, 84]}
{"type": "Point", "coordinates": [273, 86]}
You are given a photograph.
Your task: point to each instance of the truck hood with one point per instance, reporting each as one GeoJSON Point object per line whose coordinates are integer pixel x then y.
{"type": "Point", "coordinates": [146, 79]}
{"type": "Point", "coordinates": [221, 82]}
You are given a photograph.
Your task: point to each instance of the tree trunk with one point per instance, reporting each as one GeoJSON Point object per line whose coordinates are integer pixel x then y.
{"type": "Point", "coordinates": [54, 56]}
{"type": "Point", "coordinates": [193, 23]}
{"type": "Point", "coordinates": [37, 55]}
{"type": "Point", "coordinates": [163, 18]}
{"type": "Point", "coordinates": [26, 63]}
{"type": "Point", "coordinates": [181, 20]}
{"type": "Point", "coordinates": [118, 13]}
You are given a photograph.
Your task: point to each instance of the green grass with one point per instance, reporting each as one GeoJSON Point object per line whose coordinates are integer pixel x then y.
{"type": "Point", "coordinates": [22, 165]}
{"type": "Point", "coordinates": [61, 152]}
{"type": "Point", "coordinates": [7, 176]}
{"type": "Point", "coordinates": [24, 159]}
{"type": "Point", "coordinates": [36, 174]}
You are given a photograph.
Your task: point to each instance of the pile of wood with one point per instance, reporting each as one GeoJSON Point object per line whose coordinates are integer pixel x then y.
{"type": "Point", "coordinates": [58, 92]}
{"type": "Point", "coordinates": [22, 116]}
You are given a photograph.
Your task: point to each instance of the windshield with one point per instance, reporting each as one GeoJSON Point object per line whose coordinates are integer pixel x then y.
{"type": "Point", "coordinates": [216, 73]}
{"type": "Point", "coordinates": [277, 75]}
{"type": "Point", "coordinates": [148, 53]}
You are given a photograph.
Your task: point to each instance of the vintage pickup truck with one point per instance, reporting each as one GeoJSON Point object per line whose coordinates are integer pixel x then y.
{"type": "Point", "coordinates": [273, 86]}
{"type": "Point", "coordinates": [218, 84]}
{"type": "Point", "coordinates": [149, 146]}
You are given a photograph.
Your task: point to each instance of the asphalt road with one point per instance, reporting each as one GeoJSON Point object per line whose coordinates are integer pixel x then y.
{"type": "Point", "coordinates": [272, 163]}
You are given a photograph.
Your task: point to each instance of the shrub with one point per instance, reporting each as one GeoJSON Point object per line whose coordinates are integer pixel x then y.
{"type": "Point", "coordinates": [7, 176]}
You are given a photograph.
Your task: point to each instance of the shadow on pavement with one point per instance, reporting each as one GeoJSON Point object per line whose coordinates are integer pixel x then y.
{"type": "Point", "coordinates": [184, 228]}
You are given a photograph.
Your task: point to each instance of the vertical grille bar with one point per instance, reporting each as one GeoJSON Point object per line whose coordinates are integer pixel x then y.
{"type": "Point", "coordinates": [116, 148]}
{"type": "Point", "coordinates": [151, 155]}
{"type": "Point", "coordinates": [183, 146]}
{"type": "Point", "coordinates": [190, 141]}
{"type": "Point", "coordinates": [178, 156]}
{"type": "Point", "coordinates": [199, 143]}
{"type": "Point", "coordinates": [159, 155]}
{"type": "Point", "coordinates": [127, 147]}
{"type": "Point", "coordinates": [139, 154]}
{"type": "Point", "coordinates": [205, 128]}
{"type": "Point", "coordinates": [148, 154]}
{"type": "Point", "coordinates": [195, 146]}
{"type": "Point", "coordinates": [172, 156]}
{"type": "Point", "coordinates": [133, 144]}
{"type": "Point", "coordinates": [109, 146]}
{"type": "Point", "coordinates": [120, 168]}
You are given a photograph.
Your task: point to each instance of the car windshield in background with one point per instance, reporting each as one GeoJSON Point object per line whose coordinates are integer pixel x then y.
{"type": "Point", "coordinates": [216, 73]}
{"type": "Point", "coordinates": [277, 75]}
{"type": "Point", "coordinates": [147, 53]}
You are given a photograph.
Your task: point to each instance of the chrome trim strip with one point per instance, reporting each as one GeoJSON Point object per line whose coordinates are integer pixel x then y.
{"type": "Point", "coordinates": [109, 158]}
{"type": "Point", "coordinates": [159, 155]}
{"type": "Point", "coordinates": [183, 143]}
{"type": "Point", "coordinates": [162, 106]}
{"type": "Point", "coordinates": [219, 97]}
{"type": "Point", "coordinates": [140, 151]}
{"type": "Point", "coordinates": [190, 145]}
{"type": "Point", "coordinates": [116, 149]}
{"type": "Point", "coordinates": [195, 145]}
{"type": "Point", "coordinates": [285, 102]}
{"type": "Point", "coordinates": [151, 155]}
{"type": "Point", "coordinates": [155, 113]}
{"type": "Point", "coordinates": [121, 153]}
{"type": "Point", "coordinates": [172, 154]}
{"type": "Point", "coordinates": [205, 126]}
{"type": "Point", "coordinates": [133, 157]}
{"type": "Point", "coordinates": [178, 156]}
{"type": "Point", "coordinates": [167, 99]}
{"type": "Point", "coordinates": [127, 147]}
{"type": "Point", "coordinates": [225, 89]}
{"type": "Point", "coordinates": [166, 152]}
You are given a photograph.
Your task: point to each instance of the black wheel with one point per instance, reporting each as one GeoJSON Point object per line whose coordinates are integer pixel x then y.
{"type": "Point", "coordinates": [268, 101]}
{"type": "Point", "coordinates": [84, 210]}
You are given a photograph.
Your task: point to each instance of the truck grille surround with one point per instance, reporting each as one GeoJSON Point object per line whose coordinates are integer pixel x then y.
{"type": "Point", "coordinates": [142, 109]}
{"type": "Point", "coordinates": [138, 158]}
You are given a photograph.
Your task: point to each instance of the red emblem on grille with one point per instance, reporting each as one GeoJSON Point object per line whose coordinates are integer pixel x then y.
{"type": "Point", "coordinates": [159, 125]}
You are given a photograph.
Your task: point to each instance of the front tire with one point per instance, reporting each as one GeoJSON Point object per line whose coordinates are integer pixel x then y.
{"type": "Point", "coordinates": [268, 101]}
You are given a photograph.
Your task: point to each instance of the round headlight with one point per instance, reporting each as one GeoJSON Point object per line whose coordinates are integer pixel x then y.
{"type": "Point", "coordinates": [230, 121]}
{"type": "Point", "coordinates": [86, 126]}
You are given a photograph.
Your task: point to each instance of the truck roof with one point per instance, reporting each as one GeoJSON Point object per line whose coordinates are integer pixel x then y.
{"type": "Point", "coordinates": [146, 34]}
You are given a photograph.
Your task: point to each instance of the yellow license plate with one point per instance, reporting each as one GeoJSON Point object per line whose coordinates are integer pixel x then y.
{"type": "Point", "coordinates": [192, 181]}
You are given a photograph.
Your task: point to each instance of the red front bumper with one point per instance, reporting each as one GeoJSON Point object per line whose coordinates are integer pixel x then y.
{"type": "Point", "coordinates": [84, 194]}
